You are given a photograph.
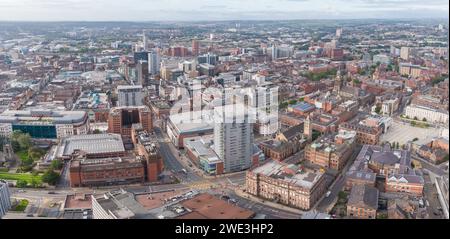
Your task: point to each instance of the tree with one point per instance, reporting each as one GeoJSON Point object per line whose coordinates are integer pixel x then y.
{"type": "Point", "coordinates": [424, 119]}
{"type": "Point", "coordinates": [96, 131]}
{"type": "Point", "coordinates": [20, 141]}
{"type": "Point", "coordinates": [378, 109]}
{"type": "Point", "coordinates": [35, 153]}
{"type": "Point", "coordinates": [415, 118]}
{"type": "Point", "coordinates": [51, 177]}
{"type": "Point", "coordinates": [35, 183]}
{"type": "Point", "coordinates": [21, 183]}
{"type": "Point", "coordinates": [292, 102]}
{"type": "Point", "coordinates": [56, 165]}
{"type": "Point", "coordinates": [284, 105]}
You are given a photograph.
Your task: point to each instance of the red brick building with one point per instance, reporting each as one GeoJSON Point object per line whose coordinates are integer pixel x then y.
{"type": "Point", "coordinates": [363, 202]}
{"type": "Point", "coordinates": [121, 119]}
{"type": "Point", "coordinates": [107, 171]}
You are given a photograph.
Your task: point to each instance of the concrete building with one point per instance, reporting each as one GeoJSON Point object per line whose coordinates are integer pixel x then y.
{"type": "Point", "coordinates": [283, 51]}
{"type": "Point", "coordinates": [118, 205]}
{"type": "Point", "coordinates": [383, 59]}
{"type": "Point", "coordinates": [431, 115]}
{"type": "Point", "coordinates": [411, 70]}
{"type": "Point", "coordinates": [142, 73]}
{"type": "Point", "coordinates": [200, 151]}
{"type": "Point", "coordinates": [129, 95]}
{"type": "Point", "coordinates": [286, 184]}
{"type": "Point", "coordinates": [95, 104]}
{"type": "Point", "coordinates": [233, 137]}
{"type": "Point", "coordinates": [154, 63]}
{"type": "Point", "coordinates": [5, 198]}
{"type": "Point", "coordinates": [47, 124]}
{"type": "Point", "coordinates": [189, 124]}
{"type": "Point", "coordinates": [404, 52]}
{"type": "Point", "coordinates": [91, 145]}
{"type": "Point", "coordinates": [208, 59]}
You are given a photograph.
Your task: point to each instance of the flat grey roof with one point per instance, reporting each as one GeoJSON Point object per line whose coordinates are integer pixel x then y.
{"type": "Point", "coordinates": [91, 143]}
{"type": "Point", "coordinates": [44, 116]}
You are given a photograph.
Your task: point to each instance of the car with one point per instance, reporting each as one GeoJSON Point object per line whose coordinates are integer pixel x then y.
{"type": "Point", "coordinates": [21, 191]}
{"type": "Point", "coordinates": [328, 194]}
{"type": "Point", "coordinates": [51, 192]}
{"type": "Point", "coordinates": [233, 200]}
{"type": "Point", "coordinates": [30, 215]}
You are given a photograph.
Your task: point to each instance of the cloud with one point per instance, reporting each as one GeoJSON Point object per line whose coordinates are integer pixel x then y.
{"type": "Point", "coordinates": [145, 10]}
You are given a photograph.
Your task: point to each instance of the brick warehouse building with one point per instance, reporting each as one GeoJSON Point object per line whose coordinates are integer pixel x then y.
{"type": "Point", "coordinates": [147, 147]}
{"type": "Point", "coordinates": [121, 119]}
{"type": "Point", "coordinates": [106, 171]}
{"type": "Point", "coordinates": [105, 161]}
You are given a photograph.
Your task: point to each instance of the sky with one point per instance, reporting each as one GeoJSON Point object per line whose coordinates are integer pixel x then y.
{"type": "Point", "coordinates": [200, 10]}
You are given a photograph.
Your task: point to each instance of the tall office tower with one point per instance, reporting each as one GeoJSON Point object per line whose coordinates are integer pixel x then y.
{"type": "Point", "coordinates": [233, 137]}
{"type": "Point", "coordinates": [338, 32]}
{"type": "Point", "coordinates": [129, 95]}
{"type": "Point", "coordinates": [207, 58]}
{"type": "Point", "coordinates": [5, 198]}
{"type": "Point", "coordinates": [154, 63]}
{"type": "Point", "coordinates": [394, 51]}
{"type": "Point", "coordinates": [140, 56]}
{"type": "Point", "coordinates": [283, 51]}
{"type": "Point", "coordinates": [142, 73]}
{"type": "Point", "coordinates": [404, 53]}
{"type": "Point", "coordinates": [195, 47]}
{"type": "Point", "coordinates": [144, 40]}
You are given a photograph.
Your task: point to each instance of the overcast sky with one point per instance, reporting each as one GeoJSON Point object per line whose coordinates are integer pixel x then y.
{"type": "Point", "coordinates": [188, 10]}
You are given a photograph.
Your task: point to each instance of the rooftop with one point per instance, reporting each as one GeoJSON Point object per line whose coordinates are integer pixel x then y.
{"type": "Point", "coordinates": [42, 116]}
{"type": "Point", "coordinates": [78, 202]}
{"type": "Point", "coordinates": [289, 173]}
{"type": "Point", "coordinates": [91, 144]}
{"type": "Point", "coordinates": [364, 196]}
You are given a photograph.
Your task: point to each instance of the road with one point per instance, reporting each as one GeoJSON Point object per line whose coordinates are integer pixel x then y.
{"type": "Point", "coordinates": [431, 195]}
{"type": "Point", "coordinates": [172, 163]}
{"type": "Point", "coordinates": [270, 212]}
{"type": "Point", "coordinates": [338, 185]}
{"type": "Point", "coordinates": [64, 181]}
{"type": "Point", "coordinates": [429, 166]}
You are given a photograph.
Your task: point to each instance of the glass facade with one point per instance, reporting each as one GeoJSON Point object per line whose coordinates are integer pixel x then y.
{"type": "Point", "coordinates": [38, 131]}
{"type": "Point", "coordinates": [207, 167]}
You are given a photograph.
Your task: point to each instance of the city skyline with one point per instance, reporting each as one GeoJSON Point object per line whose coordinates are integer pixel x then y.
{"type": "Point", "coordinates": [196, 10]}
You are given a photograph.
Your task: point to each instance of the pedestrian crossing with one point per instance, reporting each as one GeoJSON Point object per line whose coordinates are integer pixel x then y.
{"type": "Point", "coordinates": [202, 185]}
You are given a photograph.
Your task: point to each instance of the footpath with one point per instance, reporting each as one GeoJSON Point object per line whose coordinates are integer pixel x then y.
{"type": "Point", "coordinates": [243, 194]}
